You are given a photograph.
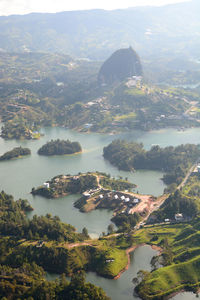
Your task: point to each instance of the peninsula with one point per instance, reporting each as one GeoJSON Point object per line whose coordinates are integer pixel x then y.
{"type": "Point", "coordinates": [100, 191]}
{"type": "Point", "coordinates": [174, 161]}
{"type": "Point", "coordinates": [89, 183]}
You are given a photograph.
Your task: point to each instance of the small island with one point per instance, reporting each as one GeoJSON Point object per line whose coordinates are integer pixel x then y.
{"type": "Point", "coordinates": [60, 147]}
{"type": "Point", "coordinates": [15, 153]}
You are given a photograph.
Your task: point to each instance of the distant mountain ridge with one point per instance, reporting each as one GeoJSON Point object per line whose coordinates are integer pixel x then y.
{"type": "Point", "coordinates": [95, 34]}
{"type": "Point", "coordinates": [121, 64]}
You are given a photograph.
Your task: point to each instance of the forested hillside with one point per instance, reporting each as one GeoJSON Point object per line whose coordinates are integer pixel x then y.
{"type": "Point", "coordinates": [150, 30]}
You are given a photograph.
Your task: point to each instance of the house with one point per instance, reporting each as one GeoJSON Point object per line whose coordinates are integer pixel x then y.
{"type": "Point", "coordinates": [127, 199]}
{"type": "Point", "coordinates": [109, 260]}
{"type": "Point", "coordinates": [116, 197]}
{"type": "Point", "coordinates": [123, 197]}
{"type": "Point", "coordinates": [88, 125]}
{"type": "Point", "coordinates": [46, 185]}
{"type": "Point", "coordinates": [135, 201]}
{"type": "Point", "coordinates": [101, 196]}
{"type": "Point", "coordinates": [167, 220]}
{"type": "Point", "coordinates": [86, 194]}
{"type": "Point", "coordinates": [178, 217]}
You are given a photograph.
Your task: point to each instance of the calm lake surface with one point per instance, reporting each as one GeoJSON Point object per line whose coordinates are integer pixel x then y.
{"type": "Point", "coordinates": [185, 296]}
{"type": "Point", "coordinates": [17, 177]}
{"type": "Point", "coordinates": [122, 288]}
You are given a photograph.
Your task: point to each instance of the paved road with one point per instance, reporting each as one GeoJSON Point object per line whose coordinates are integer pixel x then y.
{"type": "Point", "coordinates": [187, 176]}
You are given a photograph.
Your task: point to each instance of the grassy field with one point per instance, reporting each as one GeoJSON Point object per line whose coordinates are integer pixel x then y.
{"type": "Point", "coordinates": [181, 254]}
{"type": "Point", "coordinates": [103, 256]}
{"type": "Point", "coordinates": [131, 115]}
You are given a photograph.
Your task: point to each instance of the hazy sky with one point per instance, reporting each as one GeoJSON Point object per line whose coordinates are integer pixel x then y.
{"type": "Point", "coordinates": [8, 7]}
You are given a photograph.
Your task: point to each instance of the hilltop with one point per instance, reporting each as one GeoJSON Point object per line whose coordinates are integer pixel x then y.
{"type": "Point", "coordinates": [97, 33]}
{"type": "Point", "coordinates": [121, 64]}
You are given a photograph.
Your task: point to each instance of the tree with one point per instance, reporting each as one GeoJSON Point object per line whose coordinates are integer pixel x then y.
{"type": "Point", "coordinates": [85, 232]}
{"type": "Point", "coordinates": [110, 228]}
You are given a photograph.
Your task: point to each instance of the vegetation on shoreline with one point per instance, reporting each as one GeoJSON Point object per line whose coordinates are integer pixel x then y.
{"type": "Point", "coordinates": [66, 184]}
{"type": "Point", "coordinates": [15, 153]}
{"type": "Point", "coordinates": [174, 161]}
{"type": "Point", "coordinates": [21, 130]}
{"type": "Point", "coordinates": [14, 223]}
{"type": "Point", "coordinates": [106, 256]}
{"type": "Point", "coordinates": [83, 182]}
{"type": "Point", "coordinates": [28, 282]}
{"type": "Point", "coordinates": [39, 89]}
{"type": "Point", "coordinates": [180, 257]}
{"type": "Point", "coordinates": [59, 147]}
{"type": "Point", "coordinates": [54, 246]}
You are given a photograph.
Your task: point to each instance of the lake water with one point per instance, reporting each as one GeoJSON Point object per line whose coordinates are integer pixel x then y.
{"type": "Point", "coordinates": [122, 288]}
{"type": "Point", "coordinates": [185, 296]}
{"type": "Point", "coordinates": [17, 177]}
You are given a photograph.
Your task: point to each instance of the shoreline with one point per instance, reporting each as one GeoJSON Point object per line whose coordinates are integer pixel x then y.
{"type": "Point", "coordinates": [181, 291]}
{"type": "Point", "coordinates": [131, 249]}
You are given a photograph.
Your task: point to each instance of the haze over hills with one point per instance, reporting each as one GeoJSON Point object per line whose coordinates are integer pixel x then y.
{"type": "Point", "coordinates": [97, 33]}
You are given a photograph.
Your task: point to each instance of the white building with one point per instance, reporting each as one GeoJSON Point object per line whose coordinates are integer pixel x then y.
{"type": "Point", "coordinates": [46, 185]}
{"type": "Point", "coordinates": [178, 217]}
{"type": "Point", "coordinates": [136, 201]}
{"type": "Point", "coordinates": [86, 194]}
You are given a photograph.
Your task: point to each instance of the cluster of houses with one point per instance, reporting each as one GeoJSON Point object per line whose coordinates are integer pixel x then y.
{"type": "Point", "coordinates": [178, 218]}
{"type": "Point", "coordinates": [96, 102]}
{"type": "Point", "coordinates": [122, 200]}
{"type": "Point", "coordinates": [132, 81]}
{"type": "Point", "coordinates": [90, 193]}
{"type": "Point", "coordinates": [197, 170]}
{"type": "Point", "coordinates": [126, 200]}
{"type": "Point", "coordinates": [57, 180]}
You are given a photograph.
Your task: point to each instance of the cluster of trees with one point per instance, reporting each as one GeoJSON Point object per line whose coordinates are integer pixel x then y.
{"type": "Point", "coordinates": [175, 161]}
{"type": "Point", "coordinates": [60, 147]}
{"type": "Point", "coordinates": [122, 154]}
{"type": "Point", "coordinates": [15, 152]}
{"type": "Point", "coordinates": [21, 266]}
{"type": "Point", "coordinates": [67, 186]}
{"type": "Point", "coordinates": [14, 223]}
{"type": "Point", "coordinates": [126, 222]}
{"type": "Point", "coordinates": [28, 282]}
{"type": "Point", "coordinates": [12, 130]}
{"type": "Point", "coordinates": [177, 203]}
{"type": "Point", "coordinates": [116, 184]}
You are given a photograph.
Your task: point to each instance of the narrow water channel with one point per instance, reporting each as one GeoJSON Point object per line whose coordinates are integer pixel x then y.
{"type": "Point", "coordinates": [122, 288]}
